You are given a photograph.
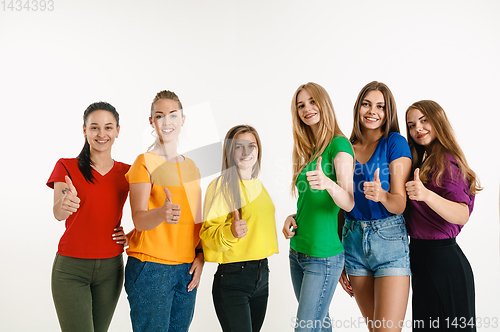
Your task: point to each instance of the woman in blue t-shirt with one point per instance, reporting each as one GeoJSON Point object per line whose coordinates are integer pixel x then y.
{"type": "Point", "coordinates": [374, 235]}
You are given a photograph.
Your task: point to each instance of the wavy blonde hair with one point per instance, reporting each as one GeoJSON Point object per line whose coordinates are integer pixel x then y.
{"type": "Point", "coordinates": [434, 164]}
{"type": "Point", "coordinates": [305, 143]}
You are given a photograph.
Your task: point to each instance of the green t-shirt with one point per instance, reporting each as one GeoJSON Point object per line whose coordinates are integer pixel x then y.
{"type": "Point", "coordinates": [317, 213]}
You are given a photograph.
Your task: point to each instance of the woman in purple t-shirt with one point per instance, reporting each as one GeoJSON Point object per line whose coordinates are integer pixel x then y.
{"type": "Point", "coordinates": [441, 198]}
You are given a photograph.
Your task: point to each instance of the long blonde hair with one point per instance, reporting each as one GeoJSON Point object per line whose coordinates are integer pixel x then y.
{"type": "Point", "coordinates": [228, 183]}
{"type": "Point", "coordinates": [445, 142]}
{"type": "Point", "coordinates": [391, 115]}
{"type": "Point", "coordinates": [306, 146]}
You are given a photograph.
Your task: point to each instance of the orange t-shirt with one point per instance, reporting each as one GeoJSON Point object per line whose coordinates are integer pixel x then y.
{"type": "Point", "coordinates": [168, 243]}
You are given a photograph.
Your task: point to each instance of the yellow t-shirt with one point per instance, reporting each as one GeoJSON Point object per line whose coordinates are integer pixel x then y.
{"type": "Point", "coordinates": [219, 244]}
{"type": "Point", "coordinates": [168, 243]}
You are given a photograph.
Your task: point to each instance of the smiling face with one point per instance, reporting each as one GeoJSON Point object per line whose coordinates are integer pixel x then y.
{"type": "Point", "coordinates": [246, 152]}
{"type": "Point", "coordinates": [308, 109]}
{"type": "Point", "coordinates": [101, 130]}
{"type": "Point", "coordinates": [372, 111]}
{"type": "Point", "coordinates": [167, 119]}
{"type": "Point", "coordinates": [420, 129]}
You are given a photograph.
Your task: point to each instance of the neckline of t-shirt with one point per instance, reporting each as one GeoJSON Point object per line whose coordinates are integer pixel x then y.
{"type": "Point", "coordinates": [379, 141]}
{"type": "Point", "coordinates": [111, 170]}
{"type": "Point", "coordinates": [173, 162]}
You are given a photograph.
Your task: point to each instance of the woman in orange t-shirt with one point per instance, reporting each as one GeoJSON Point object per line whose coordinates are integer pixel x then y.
{"type": "Point", "coordinates": [165, 257]}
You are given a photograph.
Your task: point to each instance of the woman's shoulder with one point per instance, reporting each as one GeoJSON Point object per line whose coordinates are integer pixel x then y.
{"type": "Point", "coordinates": [340, 144]}
{"type": "Point", "coordinates": [452, 164]}
{"type": "Point", "coordinates": [123, 167]}
{"type": "Point", "coordinates": [68, 163]}
{"type": "Point", "coordinates": [396, 138]}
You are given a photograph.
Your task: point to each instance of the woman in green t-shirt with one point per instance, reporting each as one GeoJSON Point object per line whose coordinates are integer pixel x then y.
{"type": "Point", "coordinates": [323, 172]}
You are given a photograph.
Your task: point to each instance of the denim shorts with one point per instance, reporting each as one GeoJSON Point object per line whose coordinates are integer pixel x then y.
{"type": "Point", "coordinates": [376, 248]}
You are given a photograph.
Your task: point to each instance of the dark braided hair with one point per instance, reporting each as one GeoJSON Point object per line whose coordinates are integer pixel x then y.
{"type": "Point", "coordinates": [84, 162]}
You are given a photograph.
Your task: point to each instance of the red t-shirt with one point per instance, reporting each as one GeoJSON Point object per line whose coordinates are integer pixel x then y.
{"type": "Point", "coordinates": [89, 230]}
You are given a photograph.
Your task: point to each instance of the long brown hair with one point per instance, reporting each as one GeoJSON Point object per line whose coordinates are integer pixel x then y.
{"type": "Point", "coordinates": [228, 183]}
{"type": "Point", "coordinates": [391, 115]}
{"type": "Point", "coordinates": [434, 164]}
{"type": "Point", "coordinates": [304, 141]}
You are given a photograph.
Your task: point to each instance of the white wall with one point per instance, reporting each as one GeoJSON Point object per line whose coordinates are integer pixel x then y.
{"type": "Point", "coordinates": [243, 61]}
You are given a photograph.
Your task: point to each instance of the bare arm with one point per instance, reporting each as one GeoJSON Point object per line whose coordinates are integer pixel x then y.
{"type": "Point", "coordinates": [144, 219]}
{"type": "Point", "coordinates": [342, 191]}
{"type": "Point", "coordinates": [394, 200]}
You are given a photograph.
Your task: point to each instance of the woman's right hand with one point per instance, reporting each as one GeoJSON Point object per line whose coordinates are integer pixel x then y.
{"type": "Point", "coordinates": [290, 221]}
{"type": "Point", "coordinates": [171, 212]}
{"type": "Point", "coordinates": [346, 283]}
{"type": "Point", "coordinates": [70, 201]}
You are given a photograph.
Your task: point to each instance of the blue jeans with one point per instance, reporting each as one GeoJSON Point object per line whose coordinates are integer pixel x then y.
{"type": "Point", "coordinates": [158, 296]}
{"type": "Point", "coordinates": [376, 248]}
{"type": "Point", "coordinates": [314, 280]}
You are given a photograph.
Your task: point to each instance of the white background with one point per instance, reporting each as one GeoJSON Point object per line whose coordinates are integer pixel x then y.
{"type": "Point", "coordinates": [237, 62]}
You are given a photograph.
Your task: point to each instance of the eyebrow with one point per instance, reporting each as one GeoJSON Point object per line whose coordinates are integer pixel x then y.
{"type": "Point", "coordinates": [420, 118]}
{"type": "Point", "coordinates": [96, 124]}
{"type": "Point", "coordinates": [368, 100]}
{"type": "Point", "coordinates": [301, 102]}
{"type": "Point", "coordinates": [171, 111]}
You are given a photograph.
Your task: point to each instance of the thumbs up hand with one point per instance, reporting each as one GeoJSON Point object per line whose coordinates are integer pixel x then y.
{"type": "Point", "coordinates": [373, 190]}
{"type": "Point", "coordinates": [171, 212]}
{"type": "Point", "coordinates": [317, 179]}
{"type": "Point", "coordinates": [239, 226]}
{"type": "Point", "coordinates": [416, 189]}
{"type": "Point", "coordinates": [70, 201]}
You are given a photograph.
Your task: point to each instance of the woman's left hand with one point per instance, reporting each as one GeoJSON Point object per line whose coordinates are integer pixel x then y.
{"type": "Point", "coordinates": [317, 179]}
{"type": "Point", "coordinates": [195, 271]}
{"type": "Point", "coordinates": [120, 237]}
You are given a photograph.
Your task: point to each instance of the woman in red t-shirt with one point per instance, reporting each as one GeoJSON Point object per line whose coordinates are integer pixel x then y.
{"type": "Point", "coordinates": [89, 193]}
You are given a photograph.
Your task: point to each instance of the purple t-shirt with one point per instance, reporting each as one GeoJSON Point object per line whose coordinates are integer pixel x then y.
{"type": "Point", "coordinates": [423, 222]}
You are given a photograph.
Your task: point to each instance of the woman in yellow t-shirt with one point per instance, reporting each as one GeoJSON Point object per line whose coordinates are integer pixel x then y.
{"type": "Point", "coordinates": [165, 257]}
{"type": "Point", "coordinates": [239, 233]}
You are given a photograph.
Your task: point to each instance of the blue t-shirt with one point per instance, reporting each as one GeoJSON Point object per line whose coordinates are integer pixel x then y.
{"type": "Point", "coordinates": [388, 150]}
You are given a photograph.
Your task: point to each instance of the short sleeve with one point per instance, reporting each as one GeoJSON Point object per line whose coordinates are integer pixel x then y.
{"type": "Point", "coordinates": [58, 174]}
{"type": "Point", "coordinates": [138, 172]}
{"type": "Point", "coordinates": [339, 144]}
{"type": "Point", "coordinates": [454, 188]}
{"type": "Point", "coordinates": [397, 147]}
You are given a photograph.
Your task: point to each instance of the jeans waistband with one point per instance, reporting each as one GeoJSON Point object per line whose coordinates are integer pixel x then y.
{"type": "Point", "coordinates": [255, 263]}
{"type": "Point", "coordinates": [379, 223]}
